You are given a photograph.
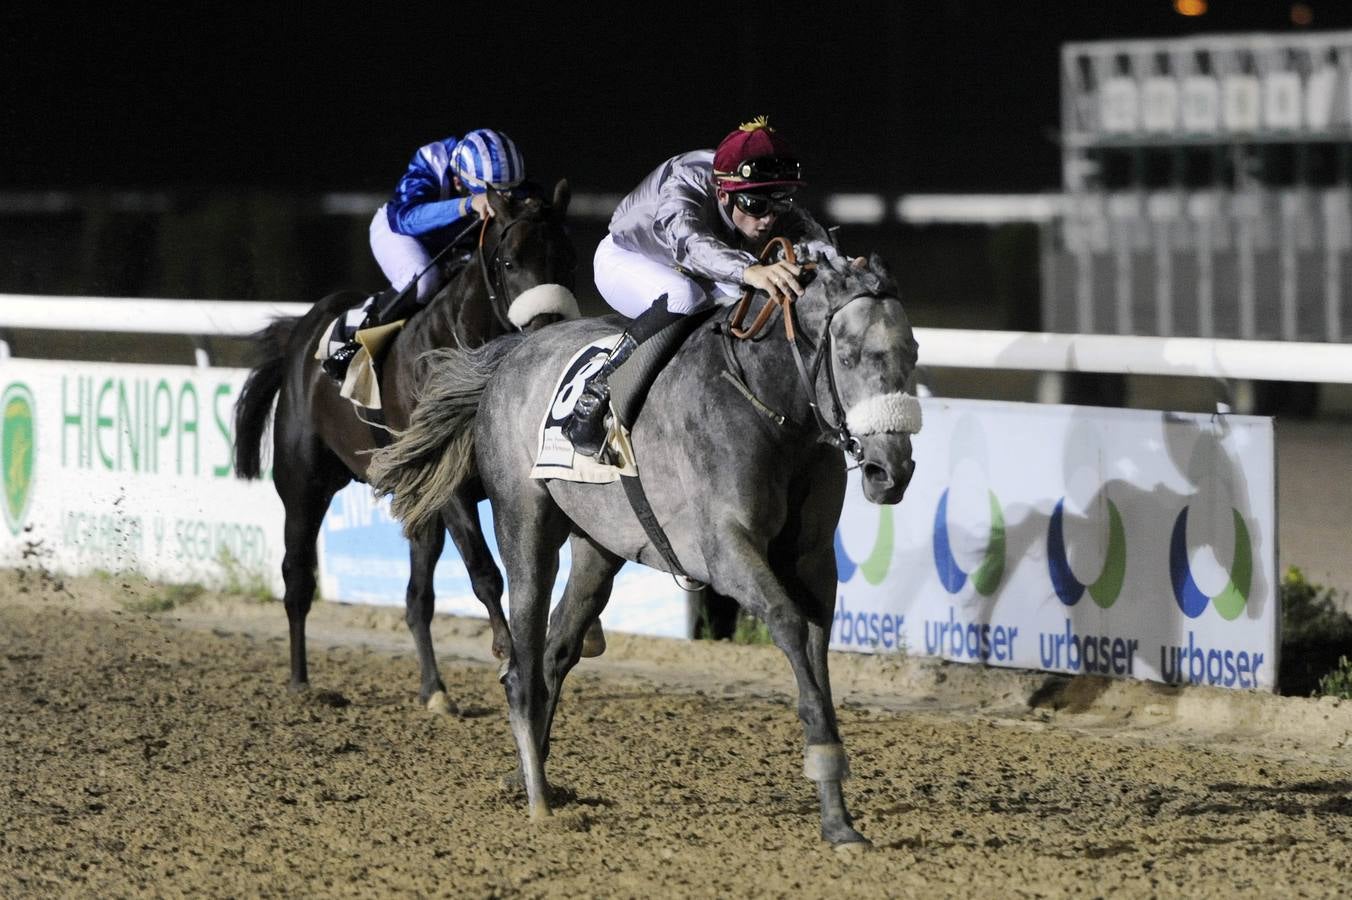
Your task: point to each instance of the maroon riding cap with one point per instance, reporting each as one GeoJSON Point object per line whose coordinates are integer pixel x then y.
{"type": "Point", "coordinates": [755, 156]}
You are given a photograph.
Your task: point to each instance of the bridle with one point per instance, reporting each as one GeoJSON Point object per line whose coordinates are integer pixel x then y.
{"type": "Point", "coordinates": [496, 302]}
{"type": "Point", "coordinates": [837, 435]}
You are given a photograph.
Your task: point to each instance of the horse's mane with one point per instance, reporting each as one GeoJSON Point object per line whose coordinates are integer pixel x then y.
{"type": "Point", "coordinates": [529, 200]}
{"type": "Point", "coordinates": [841, 281]}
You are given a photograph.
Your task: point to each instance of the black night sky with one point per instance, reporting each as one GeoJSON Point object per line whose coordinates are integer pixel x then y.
{"type": "Point", "coordinates": [946, 95]}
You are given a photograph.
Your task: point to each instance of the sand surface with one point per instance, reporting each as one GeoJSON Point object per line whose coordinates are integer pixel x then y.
{"type": "Point", "coordinates": [159, 754]}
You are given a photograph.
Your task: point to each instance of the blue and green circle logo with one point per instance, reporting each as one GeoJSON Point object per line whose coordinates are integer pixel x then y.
{"type": "Point", "coordinates": [1104, 589]}
{"type": "Point", "coordinates": [879, 560]}
{"type": "Point", "coordinates": [986, 576]}
{"type": "Point", "coordinates": [17, 453]}
{"type": "Point", "coordinates": [1232, 598]}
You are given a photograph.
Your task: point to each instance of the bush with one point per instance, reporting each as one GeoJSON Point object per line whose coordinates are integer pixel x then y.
{"type": "Point", "coordinates": [1316, 634]}
{"type": "Point", "coordinates": [1338, 682]}
{"type": "Point", "coordinates": [163, 599]}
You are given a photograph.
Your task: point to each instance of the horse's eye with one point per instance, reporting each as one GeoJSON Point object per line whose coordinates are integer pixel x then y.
{"type": "Point", "coordinates": [507, 264]}
{"type": "Point", "coordinates": [846, 362]}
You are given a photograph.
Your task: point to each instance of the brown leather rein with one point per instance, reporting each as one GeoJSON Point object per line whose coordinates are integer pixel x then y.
{"type": "Point", "coordinates": [784, 302]}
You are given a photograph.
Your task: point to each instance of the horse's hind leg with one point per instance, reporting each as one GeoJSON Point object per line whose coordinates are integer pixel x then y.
{"type": "Point", "coordinates": [306, 491]}
{"type": "Point", "coordinates": [461, 516]}
{"type": "Point", "coordinates": [570, 627]}
{"type": "Point", "coordinates": [419, 604]}
{"type": "Point", "coordinates": [530, 532]}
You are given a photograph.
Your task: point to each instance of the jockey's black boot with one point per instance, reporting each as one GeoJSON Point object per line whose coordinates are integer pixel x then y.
{"type": "Point", "coordinates": [586, 428]}
{"type": "Point", "coordinates": [390, 307]}
{"type": "Point", "coordinates": [335, 366]}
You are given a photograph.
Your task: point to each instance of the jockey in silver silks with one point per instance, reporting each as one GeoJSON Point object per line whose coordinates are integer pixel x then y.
{"type": "Point", "coordinates": [688, 237]}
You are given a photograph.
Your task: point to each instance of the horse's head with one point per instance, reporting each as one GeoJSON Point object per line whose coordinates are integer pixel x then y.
{"type": "Point", "coordinates": [867, 354]}
{"type": "Point", "coordinates": [528, 260]}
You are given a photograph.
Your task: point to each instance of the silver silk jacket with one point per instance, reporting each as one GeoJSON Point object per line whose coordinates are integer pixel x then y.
{"type": "Point", "coordinates": [673, 217]}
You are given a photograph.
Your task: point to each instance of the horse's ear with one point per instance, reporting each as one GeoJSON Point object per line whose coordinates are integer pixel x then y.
{"type": "Point", "coordinates": [878, 267]}
{"type": "Point", "coordinates": [562, 194]}
{"type": "Point", "coordinates": [501, 208]}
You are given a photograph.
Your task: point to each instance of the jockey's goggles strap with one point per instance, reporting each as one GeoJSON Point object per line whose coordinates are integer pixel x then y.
{"type": "Point", "coordinates": [766, 168]}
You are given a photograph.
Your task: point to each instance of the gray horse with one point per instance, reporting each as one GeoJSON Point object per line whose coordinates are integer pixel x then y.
{"type": "Point", "coordinates": [742, 468]}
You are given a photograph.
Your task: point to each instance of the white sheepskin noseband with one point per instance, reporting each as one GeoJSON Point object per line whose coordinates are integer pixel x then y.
{"type": "Point", "coordinates": [543, 298]}
{"type": "Point", "coordinates": [885, 414]}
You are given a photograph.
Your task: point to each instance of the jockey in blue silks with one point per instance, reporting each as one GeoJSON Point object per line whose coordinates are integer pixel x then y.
{"type": "Point", "coordinates": [445, 184]}
{"type": "Point", "coordinates": [443, 191]}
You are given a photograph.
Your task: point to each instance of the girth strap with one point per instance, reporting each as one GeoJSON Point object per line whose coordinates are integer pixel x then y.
{"type": "Point", "coordinates": [633, 489]}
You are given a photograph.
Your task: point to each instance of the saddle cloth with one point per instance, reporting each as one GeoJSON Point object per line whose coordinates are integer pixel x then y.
{"type": "Point", "coordinates": [361, 385]}
{"type": "Point", "coordinates": [556, 457]}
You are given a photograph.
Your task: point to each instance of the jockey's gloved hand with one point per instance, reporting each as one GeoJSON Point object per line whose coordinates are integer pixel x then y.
{"type": "Point", "coordinates": [778, 279]}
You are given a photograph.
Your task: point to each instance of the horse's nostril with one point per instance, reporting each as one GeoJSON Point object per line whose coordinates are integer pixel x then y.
{"type": "Point", "coordinates": [876, 473]}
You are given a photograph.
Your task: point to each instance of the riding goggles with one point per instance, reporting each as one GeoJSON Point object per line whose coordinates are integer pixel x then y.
{"type": "Point", "coordinates": [760, 205]}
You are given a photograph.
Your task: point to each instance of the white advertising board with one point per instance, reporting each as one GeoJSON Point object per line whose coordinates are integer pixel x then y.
{"type": "Point", "coordinates": [128, 468]}
{"type": "Point", "coordinates": [1073, 539]}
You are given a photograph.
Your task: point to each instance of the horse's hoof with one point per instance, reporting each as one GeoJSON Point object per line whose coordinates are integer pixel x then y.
{"type": "Point", "coordinates": [540, 811]}
{"type": "Point", "coordinates": [594, 641]}
{"type": "Point", "coordinates": [298, 687]}
{"type": "Point", "coordinates": [852, 846]}
{"type": "Point", "coordinates": [441, 705]}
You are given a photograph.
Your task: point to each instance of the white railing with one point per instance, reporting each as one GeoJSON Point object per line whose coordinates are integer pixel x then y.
{"type": "Point", "coordinates": [193, 318]}
{"type": "Point", "coordinates": [939, 347]}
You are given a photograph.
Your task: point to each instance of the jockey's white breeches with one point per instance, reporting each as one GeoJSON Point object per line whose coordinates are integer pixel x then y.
{"type": "Point", "coordinates": [401, 257]}
{"type": "Point", "coordinates": [630, 282]}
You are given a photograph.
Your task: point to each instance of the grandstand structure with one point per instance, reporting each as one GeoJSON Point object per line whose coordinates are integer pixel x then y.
{"type": "Point", "coordinates": [1207, 189]}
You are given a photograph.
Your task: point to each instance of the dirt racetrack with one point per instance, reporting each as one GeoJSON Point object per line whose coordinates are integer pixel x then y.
{"type": "Point", "coordinates": [160, 755]}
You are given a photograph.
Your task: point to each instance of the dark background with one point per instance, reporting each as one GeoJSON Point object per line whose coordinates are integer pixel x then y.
{"type": "Point", "coordinates": [191, 144]}
{"type": "Point", "coordinates": [932, 95]}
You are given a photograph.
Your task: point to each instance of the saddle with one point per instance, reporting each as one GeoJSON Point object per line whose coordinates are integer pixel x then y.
{"type": "Point", "coordinates": [354, 345]}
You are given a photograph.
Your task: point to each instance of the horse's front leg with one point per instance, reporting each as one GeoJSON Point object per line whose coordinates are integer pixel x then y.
{"type": "Point", "coordinates": [419, 604]}
{"type": "Point", "coordinates": [461, 516]}
{"type": "Point", "coordinates": [793, 599]}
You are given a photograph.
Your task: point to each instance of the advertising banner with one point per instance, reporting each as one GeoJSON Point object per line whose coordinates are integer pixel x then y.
{"type": "Point", "coordinates": [128, 468]}
{"type": "Point", "coordinates": [365, 558]}
{"type": "Point", "coordinates": [1073, 539]}
{"type": "Point", "coordinates": [1117, 542]}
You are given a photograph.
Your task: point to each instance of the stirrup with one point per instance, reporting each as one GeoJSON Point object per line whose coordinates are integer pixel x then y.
{"type": "Point", "coordinates": [338, 361]}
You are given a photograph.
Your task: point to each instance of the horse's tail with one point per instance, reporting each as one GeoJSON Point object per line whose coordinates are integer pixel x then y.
{"type": "Point", "coordinates": [435, 454]}
{"type": "Point", "coordinates": [254, 406]}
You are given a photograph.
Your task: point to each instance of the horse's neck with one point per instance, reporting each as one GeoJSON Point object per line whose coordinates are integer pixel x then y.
{"type": "Point", "coordinates": [436, 325]}
{"type": "Point", "coordinates": [770, 371]}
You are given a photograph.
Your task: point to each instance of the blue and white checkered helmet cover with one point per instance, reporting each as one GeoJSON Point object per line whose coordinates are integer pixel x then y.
{"type": "Point", "coordinates": [486, 158]}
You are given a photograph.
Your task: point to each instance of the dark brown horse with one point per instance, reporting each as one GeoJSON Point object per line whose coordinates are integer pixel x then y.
{"type": "Point", "coordinates": [319, 444]}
